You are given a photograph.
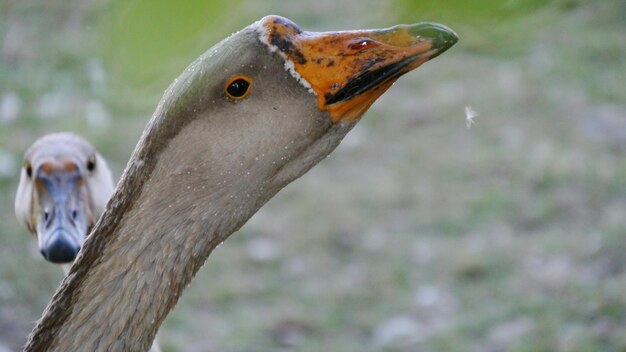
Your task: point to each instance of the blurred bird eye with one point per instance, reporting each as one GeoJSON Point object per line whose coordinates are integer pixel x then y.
{"type": "Point", "coordinates": [29, 169]}
{"type": "Point", "coordinates": [91, 164]}
{"type": "Point", "coordinates": [238, 87]}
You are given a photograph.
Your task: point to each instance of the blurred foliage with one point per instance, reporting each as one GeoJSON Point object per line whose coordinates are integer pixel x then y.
{"type": "Point", "coordinates": [488, 26]}
{"type": "Point", "coordinates": [141, 39]}
{"type": "Point", "coordinates": [476, 13]}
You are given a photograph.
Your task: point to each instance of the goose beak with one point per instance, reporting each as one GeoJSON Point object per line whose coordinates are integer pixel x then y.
{"type": "Point", "coordinates": [349, 70]}
{"type": "Point", "coordinates": [61, 221]}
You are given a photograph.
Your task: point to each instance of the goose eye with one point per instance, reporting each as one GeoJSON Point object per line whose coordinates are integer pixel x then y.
{"type": "Point", "coordinates": [91, 164]}
{"type": "Point", "coordinates": [238, 87]}
{"type": "Point", "coordinates": [29, 169]}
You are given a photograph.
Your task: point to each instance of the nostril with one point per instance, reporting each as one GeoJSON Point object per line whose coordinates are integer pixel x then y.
{"type": "Point", "coordinates": [74, 214]}
{"type": "Point", "coordinates": [362, 44]}
{"type": "Point", "coordinates": [46, 215]}
{"type": "Point", "coordinates": [44, 254]}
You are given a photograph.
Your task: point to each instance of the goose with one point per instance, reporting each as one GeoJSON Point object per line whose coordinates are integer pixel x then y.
{"type": "Point", "coordinates": [63, 189]}
{"type": "Point", "coordinates": [64, 186]}
{"type": "Point", "coordinates": [250, 115]}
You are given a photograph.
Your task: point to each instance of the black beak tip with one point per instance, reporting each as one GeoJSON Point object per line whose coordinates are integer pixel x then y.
{"type": "Point", "coordinates": [60, 252]}
{"type": "Point", "coordinates": [446, 38]}
{"type": "Point", "coordinates": [441, 36]}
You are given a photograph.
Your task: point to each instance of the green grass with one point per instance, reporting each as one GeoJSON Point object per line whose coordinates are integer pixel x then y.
{"type": "Point", "coordinates": [417, 234]}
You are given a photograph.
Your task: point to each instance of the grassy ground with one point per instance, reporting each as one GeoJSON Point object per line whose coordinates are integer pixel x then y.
{"type": "Point", "coordinates": [417, 234]}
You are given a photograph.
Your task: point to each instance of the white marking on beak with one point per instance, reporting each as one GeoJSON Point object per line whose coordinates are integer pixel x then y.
{"type": "Point", "coordinates": [289, 65]}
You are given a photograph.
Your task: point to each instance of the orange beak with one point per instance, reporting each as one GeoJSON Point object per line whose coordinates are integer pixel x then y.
{"type": "Point", "coordinates": [349, 70]}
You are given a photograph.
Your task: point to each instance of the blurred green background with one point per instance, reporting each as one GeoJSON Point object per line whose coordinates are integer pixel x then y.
{"type": "Point", "coordinates": [417, 234]}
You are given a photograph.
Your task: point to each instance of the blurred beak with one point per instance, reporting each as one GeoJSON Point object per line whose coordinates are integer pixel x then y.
{"type": "Point", "coordinates": [349, 70]}
{"type": "Point", "coordinates": [62, 222]}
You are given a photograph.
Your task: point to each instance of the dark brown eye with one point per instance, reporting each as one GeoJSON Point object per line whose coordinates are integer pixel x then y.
{"type": "Point", "coordinates": [91, 164]}
{"type": "Point", "coordinates": [29, 169]}
{"type": "Point", "coordinates": [238, 87]}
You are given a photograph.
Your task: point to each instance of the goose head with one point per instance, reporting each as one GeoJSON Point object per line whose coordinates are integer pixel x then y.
{"type": "Point", "coordinates": [265, 105]}
{"type": "Point", "coordinates": [253, 113]}
{"type": "Point", "coordinates": [64, 186]}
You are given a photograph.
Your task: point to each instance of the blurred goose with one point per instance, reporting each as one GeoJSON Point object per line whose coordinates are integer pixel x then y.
{"type": "Point", "coordinates": [64, 186]}
{"type": "Point", "coordinates": [252, 114]}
